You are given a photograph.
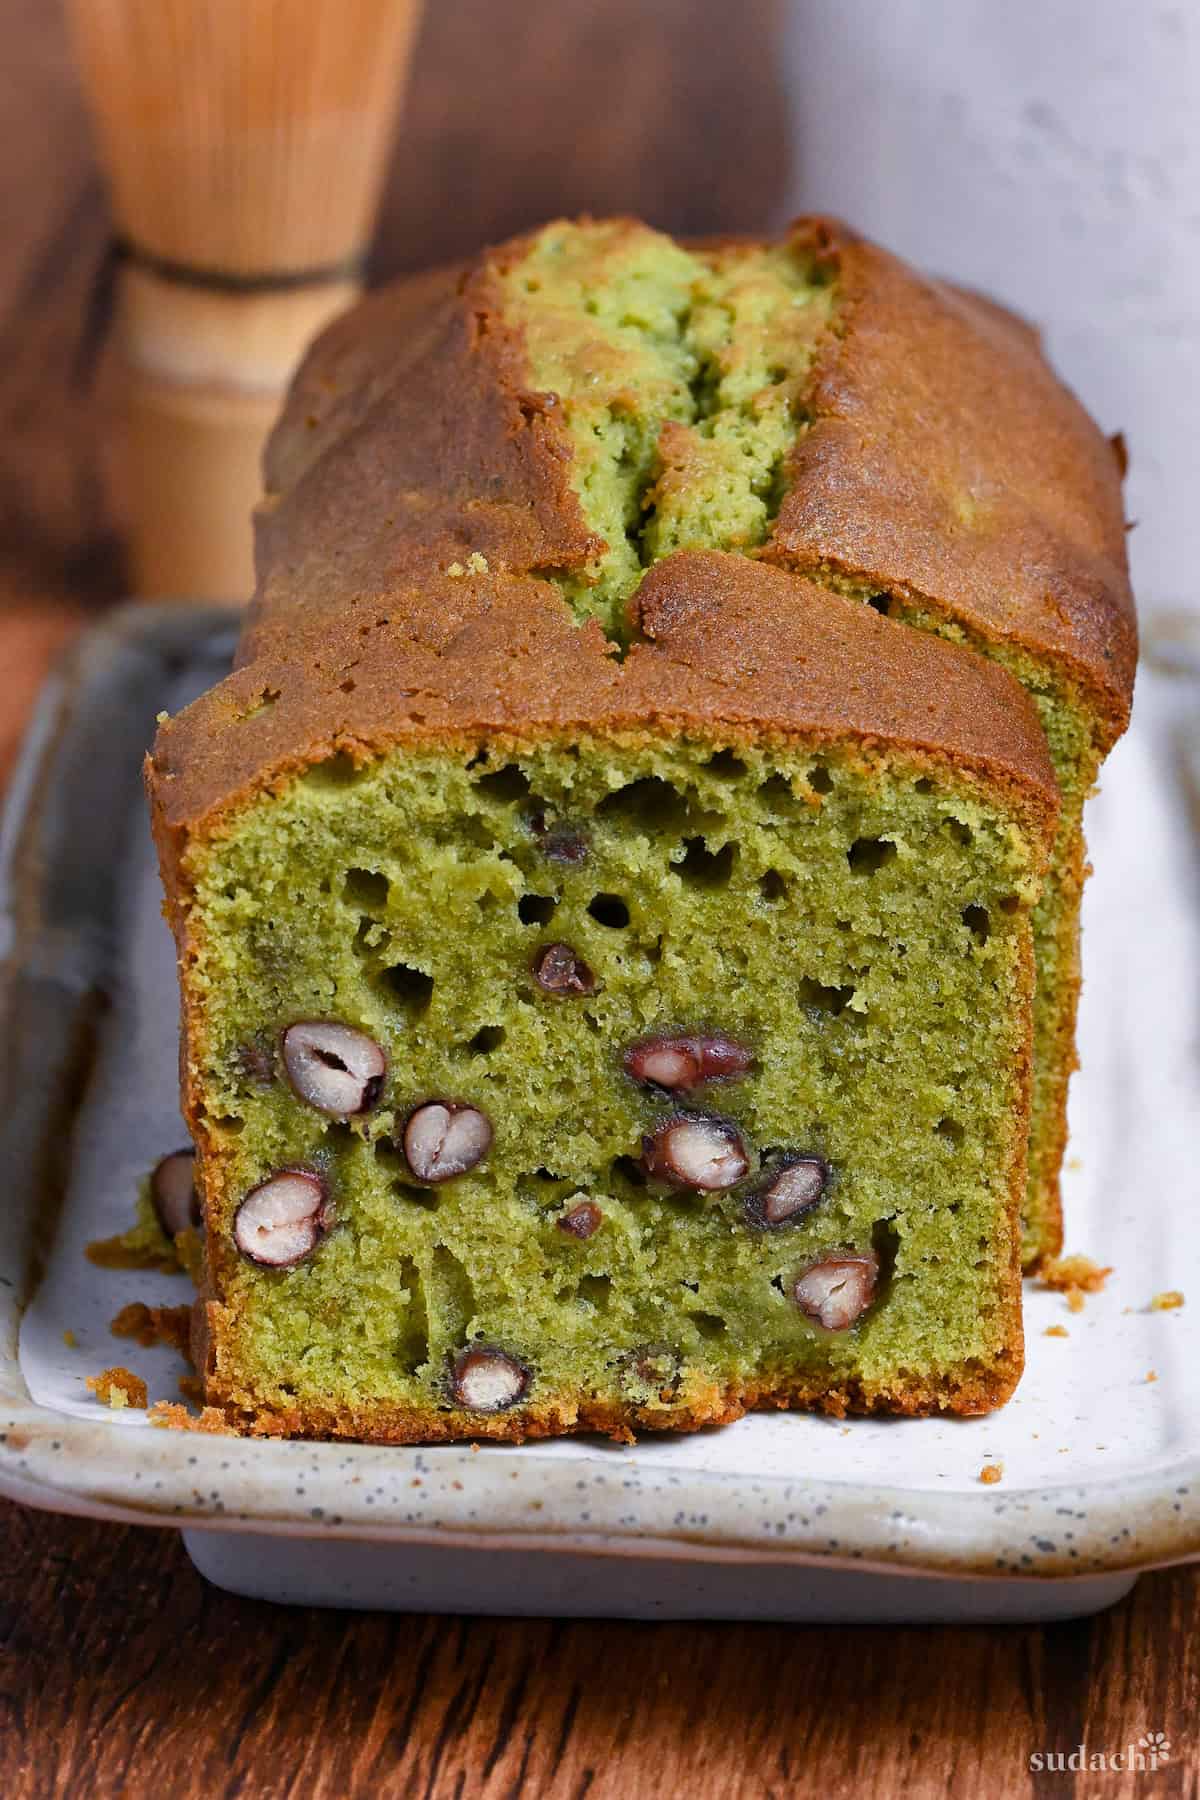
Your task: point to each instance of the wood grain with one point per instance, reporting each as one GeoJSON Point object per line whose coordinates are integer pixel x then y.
{"type": "Point", "coordinates": [121, 1672]}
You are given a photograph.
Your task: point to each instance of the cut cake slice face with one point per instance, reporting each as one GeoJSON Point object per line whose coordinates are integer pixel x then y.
{"type": "Point", "coordinates": [580, 1043]}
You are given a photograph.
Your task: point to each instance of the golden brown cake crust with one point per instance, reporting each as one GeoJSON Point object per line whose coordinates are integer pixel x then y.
{"type": "Point", "coordinates": [412, 439]}
{"type": "Point", "coordinates": [730, 647]}
{"type": "Point", "coordinates": [946, 463]}
{"type": "Point", "coordinates": [968, 1389]}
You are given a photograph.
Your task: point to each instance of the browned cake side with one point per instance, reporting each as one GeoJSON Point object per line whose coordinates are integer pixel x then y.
{"type": "Point", "coordinates": [947, 466]}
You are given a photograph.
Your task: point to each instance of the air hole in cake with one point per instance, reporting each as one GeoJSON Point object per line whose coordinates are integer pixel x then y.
{"type": "Point", "coordinates": [348, 686]}
{"type": "Point", "coordinates": [815, 997]}
{"type": "Point", "coordinates": [536, 909]}
{"type": "Point", "coordinates": [702, 867]}
{"type": "Point", "coordinates": [923, 785]}
{"type": "Point", "coordinates": [412, 1349]}
{"type": "Point", "coordinates": [366, 887]}
{"type": "Point", "coordinates": [951, 1131]}
{"type": "Point", "coordinates": [336, 771]}
{"type": "Point", "coordinates": [820, 780]}
{"type": "Point", "coordinates": [885, 1241]}
{"type": "Point", "coordinates": [649, 804]}
{"type": "Point", "coordinates": [259, 703]}
{"type": "Point", "coordinates": [509, 783]}
{"type": "Point", "coordinates": [369, 935]}
{"type": "Point", "coordinates": [413, 988]}
{"type": "Point", "coordinates": [416, 1196]}
{"type": "Point", "coordinates": [479, 830]}
{"type": "Point", "coordinates": [959, 831]}
{"type": "Point", "coordinates": [709, 1325]}
{"type": "Point", "coordinates": [881, 603]}
{"type": "Point", "coordinates": [867, 856]}
{"type": "Point", "coordinates": [978, 922]}
{"type": "Point", "coordinates": [772, 886]}
{"type": "Point", "coordinates": [596, 1290]}
{"type": "Point", "coordinates": [610, 910]}
{"type": "Point", "coordinates": [726, 764]}
{"type": "Point", "coordinates": [628, 1169]}
{"type": "Point", "coordinates": [452, 1301]}
{"type": "Point", "coordinates": [777, 792]}
{"type": "Point", "coordinates": [487, 1039]}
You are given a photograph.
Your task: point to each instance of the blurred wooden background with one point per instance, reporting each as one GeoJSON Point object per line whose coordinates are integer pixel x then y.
{"type": "Point", "coordinates": [120, 1671]}
{"type": "Point", "coordinates": [517, 110]}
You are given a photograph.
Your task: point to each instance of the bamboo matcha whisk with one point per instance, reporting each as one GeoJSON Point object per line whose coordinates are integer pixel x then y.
{"type": "Point", "coordinates": [245, 143]}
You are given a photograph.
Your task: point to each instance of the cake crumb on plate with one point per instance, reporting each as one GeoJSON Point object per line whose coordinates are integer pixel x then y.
{"type": "Point", "coordinates": [154, 1325]}
{"type": "Point", "coordinates": [1073, 1276]}
{"type": "Point", "coordinates": [118, 1388]}
{"type": "Point", "coordinates": [1062, 1273]}
{"type": "Point", "coordinates": [991, 1473]}
{"type": "Point", "coordinates": [1167, 1301]}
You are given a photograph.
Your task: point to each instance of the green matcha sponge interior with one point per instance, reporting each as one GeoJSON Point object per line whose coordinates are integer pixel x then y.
{"type": "Point", "coordinates": [565, 943]}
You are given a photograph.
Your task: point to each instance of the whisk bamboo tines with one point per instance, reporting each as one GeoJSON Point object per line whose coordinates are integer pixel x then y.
{"type": "Point", "coordinates": [245, 143]}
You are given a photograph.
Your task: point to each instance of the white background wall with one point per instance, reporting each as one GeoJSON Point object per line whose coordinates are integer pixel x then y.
{"type": "Point", "coordinates": [1049, 152]}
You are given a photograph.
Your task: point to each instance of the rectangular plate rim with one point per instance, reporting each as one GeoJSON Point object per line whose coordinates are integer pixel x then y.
{"type": "Point", "coordinates": [57, 1461]}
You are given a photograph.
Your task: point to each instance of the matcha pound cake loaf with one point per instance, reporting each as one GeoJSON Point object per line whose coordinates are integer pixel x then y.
{"type": "Point", "coordinates": [606, 940]}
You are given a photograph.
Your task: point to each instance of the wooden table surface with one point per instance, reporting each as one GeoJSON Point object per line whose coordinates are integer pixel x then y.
{"type": "Point", "coordinates": [121, 1672]}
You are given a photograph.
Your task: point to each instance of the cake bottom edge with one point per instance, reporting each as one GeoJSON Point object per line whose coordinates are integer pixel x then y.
{"type": "Point", "coordinates": [969, 1389]}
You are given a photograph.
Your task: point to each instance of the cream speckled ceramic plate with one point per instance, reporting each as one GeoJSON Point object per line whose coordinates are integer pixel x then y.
{"type": "Point", "coordinates": [783, 1516]}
